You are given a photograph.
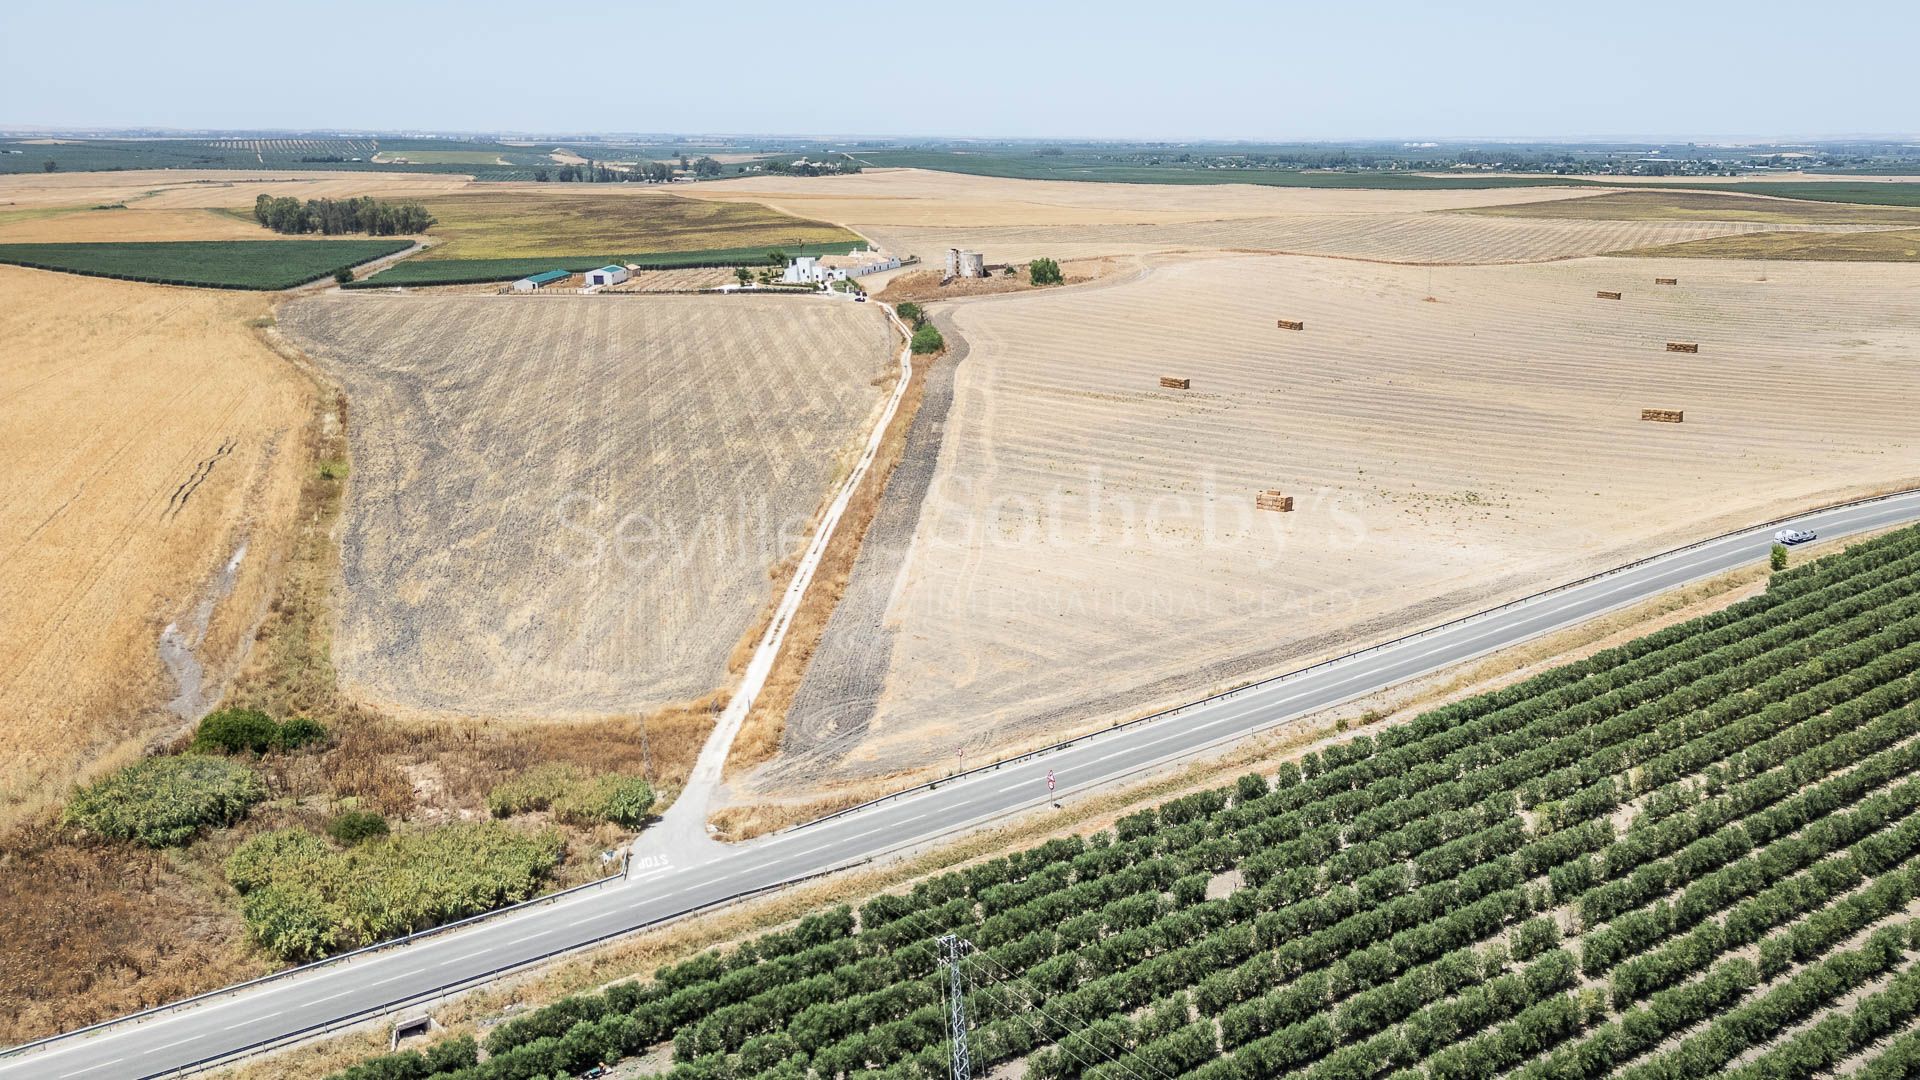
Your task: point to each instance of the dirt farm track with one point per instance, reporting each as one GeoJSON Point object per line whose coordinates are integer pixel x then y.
{"type": "Point", "coordinates": [568, 505]}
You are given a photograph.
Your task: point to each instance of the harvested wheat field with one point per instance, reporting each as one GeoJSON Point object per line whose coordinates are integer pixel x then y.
{"type": "Point", "coordinates": [568, 506]}
{"type": "Point", "coordinates": [923, 198]}
{"type": "Point", "coordinates": [154, 447]}
{"type": "Point", "coordinates": [188, 188]}
{"type": "Point", "coordinates": [119, 225]}
{"type": "Point", "coordinates": [1089, 546]}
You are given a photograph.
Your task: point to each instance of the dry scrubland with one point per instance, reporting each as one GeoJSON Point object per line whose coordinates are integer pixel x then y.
{"type": "Point", "coordinates": [148, 435]}
{"type": "Point", "coordinates": [1089, 548]}
{"type": "Point", "coordinates": [498, 444]}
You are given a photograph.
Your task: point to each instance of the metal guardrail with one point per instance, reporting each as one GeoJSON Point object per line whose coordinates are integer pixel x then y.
{"type": "Point", "coordinates": [226, 1057]}
{"type": "Point", "coordinates": [1275, 680]}
{"type": "Point", "coordinates": [326, 961]}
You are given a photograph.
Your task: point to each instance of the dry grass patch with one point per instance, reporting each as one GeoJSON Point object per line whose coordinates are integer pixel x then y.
{"type": "Point", "coordinates": [149, 436]}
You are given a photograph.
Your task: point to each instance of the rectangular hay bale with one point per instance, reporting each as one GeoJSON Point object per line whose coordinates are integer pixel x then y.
{"type": "Point", "coordinates": [1292, 324]}
{"type": "Point", "coordinates": [1664, 416]}
{"type": "Point", "coordinates": [1605, 295]}
{"type": "Point", "coordinates": [1666, 281]}
{"type": "Point", "coordinates": [1171, 383]}
{"type": "Point", "coordinates": [1273, 500]}
{"type": "Point", "coordinates": [1683, 346]}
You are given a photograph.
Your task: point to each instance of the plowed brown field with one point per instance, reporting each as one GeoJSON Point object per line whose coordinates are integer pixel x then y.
{"type": "Point", "coordinates": [568, 505]}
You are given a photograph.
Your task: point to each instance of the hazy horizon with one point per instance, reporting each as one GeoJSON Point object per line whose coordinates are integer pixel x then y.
{"type": "Point", "coordinates": [1636, 71]}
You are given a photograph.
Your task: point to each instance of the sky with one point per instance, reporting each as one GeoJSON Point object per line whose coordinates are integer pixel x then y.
{"type": "Point", "coordinates": [1190, 69]}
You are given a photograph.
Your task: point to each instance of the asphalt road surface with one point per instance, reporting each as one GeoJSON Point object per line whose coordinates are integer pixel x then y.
{"type": "Point", "coordinates": [369, 985]}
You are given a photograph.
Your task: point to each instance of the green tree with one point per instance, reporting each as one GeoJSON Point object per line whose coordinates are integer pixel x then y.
{"type": "Point", "coordinates": [1044, 272]}
{"type": "Point", "coordinates": [743, 274]}
{"type": "Point", "coordinates": [912, 313]}
{"type": "Point", "coordinates": [341, 277]}
{"type": "Point", "coordinates": [706, 166]}
{"type": "Point", "coordinates": [927, 339]}
{"type": "Point", "coordinates": [777, 257]}
{"type": "Point", "coordinates": [1779, 557]}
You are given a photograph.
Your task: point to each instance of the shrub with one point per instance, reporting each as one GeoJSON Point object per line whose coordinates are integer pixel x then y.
{"type": "Point", "coordinates": [164, 801]}
{"type": "Point", "coordinates": [914, 315]}
{"type": "Point", "coordinates": [1044, 272]}
{"type": "Point", "coordinates": [234, 731]}
{"type": "Point", "coordinates": [1778, 559]}
{"type": "Point", "coordinates": [927, 339]}
{"type": "Point", "coordinates": [354, 826]}
{"type": "Point", "coordinates": [343, 275]}
{"type": "Point", "coordinates": [535, 789]}
{"type": "Point", "coordinates": [231, 731]}
{"type": "Point", "coordinates": [622, 800]}
{"type": "Point", "coordinates": [302, 899]}
{"type": "Point", "coordinates": [298, 732]}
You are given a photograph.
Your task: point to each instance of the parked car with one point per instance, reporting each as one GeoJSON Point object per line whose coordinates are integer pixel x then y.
{"type": "Point", "coordinates": [1794, 536]}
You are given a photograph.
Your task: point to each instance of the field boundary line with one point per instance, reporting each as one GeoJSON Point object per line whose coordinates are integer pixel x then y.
{"type": "Point", "coordinates": [1276, 680]}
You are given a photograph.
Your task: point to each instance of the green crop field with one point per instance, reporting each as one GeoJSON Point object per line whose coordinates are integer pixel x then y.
{"type": "Point", "coordinates": [1692, 855]}
{"type": "Point", "coordinates": [1883, 194]}
{"type": "Point", "coordinates": [213, 264]}
{"type": "Point", "coordinates": [476, 271]}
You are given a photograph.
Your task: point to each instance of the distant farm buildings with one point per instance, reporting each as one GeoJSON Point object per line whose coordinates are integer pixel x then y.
{"type": "Point", "coordinates": [965, 263]}
{"type": "Point", "coordinates": [608, 275]}
{"type": "Point", "coordinates": [540, 281]}
{"type": "Point", "coordinates": [819, 269]}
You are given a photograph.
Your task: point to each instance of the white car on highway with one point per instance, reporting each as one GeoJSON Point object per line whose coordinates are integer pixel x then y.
{"type": "Point", "coordinates": [1793, 536]}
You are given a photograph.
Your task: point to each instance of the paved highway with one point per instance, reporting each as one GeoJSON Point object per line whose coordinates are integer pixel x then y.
{"type": "Point", "coordinates": [368, 985]}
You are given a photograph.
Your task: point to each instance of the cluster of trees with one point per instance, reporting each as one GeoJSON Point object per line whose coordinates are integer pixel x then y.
{"type": "Point", "coordinates": [335, 217]}
{"type": "Point", "coordinates": [302, 898]}
{"type": "Point", "coordinates": [1393, 913]}
{"type": "Point", "coordinates": [575, 797]}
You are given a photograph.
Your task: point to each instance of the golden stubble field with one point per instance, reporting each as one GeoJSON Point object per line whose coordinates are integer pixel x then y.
{"type": "Point", "coordinates": [148, 434]}
{"type": "Point", "coordinates": [567, 506]}
{"type": "Point", "coordinates": [1089, 548]}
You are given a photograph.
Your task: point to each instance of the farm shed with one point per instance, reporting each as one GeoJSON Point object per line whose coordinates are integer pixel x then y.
{"type": "Point", "coordinates": [608, 275]}
{"type": "Point", "coordinates": [540, 281]}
